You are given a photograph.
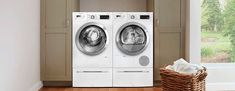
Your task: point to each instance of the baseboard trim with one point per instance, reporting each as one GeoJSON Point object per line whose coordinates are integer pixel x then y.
{"type": "Point", "coordinates": [157, 83]}
{"type": "Point", "coordinates": [69, 83]}
{"type": "Point", "coordinates": [36, 87]}
{"type": "Point", "coordinates": [220, 86]}
{"type": "Point", "coordinates": [58, 83]}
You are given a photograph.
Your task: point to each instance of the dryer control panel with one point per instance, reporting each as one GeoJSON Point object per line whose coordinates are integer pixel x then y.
{"type": "Point", "coordinates": [133, 16]}
{"type": "Point", "coordinates": [139, 17]}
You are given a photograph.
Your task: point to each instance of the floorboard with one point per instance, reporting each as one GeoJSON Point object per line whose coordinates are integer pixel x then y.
{"type": "Point", "coordinates": [98, 89]}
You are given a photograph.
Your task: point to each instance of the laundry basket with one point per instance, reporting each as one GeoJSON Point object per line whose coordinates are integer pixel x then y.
{"type": "Point", "coordinates": [174, 81]}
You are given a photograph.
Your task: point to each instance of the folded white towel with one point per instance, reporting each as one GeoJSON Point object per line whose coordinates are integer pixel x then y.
{"type": "Point", "coordinates": [184, 67]}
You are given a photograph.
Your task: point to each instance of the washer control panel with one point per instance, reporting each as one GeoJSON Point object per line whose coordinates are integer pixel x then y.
{"type": "Point", "coordinates": [99, 17]}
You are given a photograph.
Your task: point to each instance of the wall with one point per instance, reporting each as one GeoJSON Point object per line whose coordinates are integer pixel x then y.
{"type": "Point", "coordinates": [19, 45]}
{"type": "Point", "coordinates": [114, 5]}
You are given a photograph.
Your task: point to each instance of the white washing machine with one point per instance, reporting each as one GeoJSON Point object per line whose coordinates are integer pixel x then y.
{"type": "Point", "coordinates": [92, 49]}
{"type": "Point", "coordinates": [133, 49]}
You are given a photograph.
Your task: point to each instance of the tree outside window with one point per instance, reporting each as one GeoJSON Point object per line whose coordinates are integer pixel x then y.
{"type": "Point", "coordinates": [218, 31]}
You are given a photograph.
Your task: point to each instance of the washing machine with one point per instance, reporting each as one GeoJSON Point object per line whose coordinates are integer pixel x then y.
{"type": "Point", "coordinates": [133, 49]}
{"type": "Point", "coordinates": [92, 49]}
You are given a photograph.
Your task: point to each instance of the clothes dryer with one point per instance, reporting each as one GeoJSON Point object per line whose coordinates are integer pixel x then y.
{"type": "Point", "coordinates": [133, 49]}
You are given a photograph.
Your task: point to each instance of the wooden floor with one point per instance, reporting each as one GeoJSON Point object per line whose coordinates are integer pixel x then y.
{"type": "Point", "coordinates": [98, 89]}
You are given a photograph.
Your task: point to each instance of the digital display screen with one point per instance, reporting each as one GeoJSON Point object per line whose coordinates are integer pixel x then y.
{"type": "Point", "coordinates": [104, 16]}
{"type": "Point", "coordinates": [144, 16]}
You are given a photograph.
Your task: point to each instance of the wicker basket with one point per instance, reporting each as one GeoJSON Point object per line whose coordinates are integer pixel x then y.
{"type": "Point", "coordinates": [174, 81]}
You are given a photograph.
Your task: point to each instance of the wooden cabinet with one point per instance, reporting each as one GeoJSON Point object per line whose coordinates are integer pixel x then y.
{"type": "Point", "coordinates": [56, 39]}
{"type": "Point", "coordinates": [169, 32]}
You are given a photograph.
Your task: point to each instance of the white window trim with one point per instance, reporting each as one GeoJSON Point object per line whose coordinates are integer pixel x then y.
{"type": "Point", "coordinates": [193, 34]}
{"type": "Point", "coordinates": [220, 66]}
{"type": "Point", "coordinates": [220, 86]}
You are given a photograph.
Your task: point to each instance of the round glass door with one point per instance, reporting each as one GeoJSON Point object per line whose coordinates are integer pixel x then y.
{"type": "Point", "coordinates": [91, 39]}
{"type": "Point", "coordinates": [132, 38]}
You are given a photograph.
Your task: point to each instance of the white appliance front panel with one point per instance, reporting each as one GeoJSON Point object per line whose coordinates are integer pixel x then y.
{"type": "Point", "coordinates": [132, 77]}
{"type": "Point", "coordinates": [104, 59]}
{"type": "Point", "coordinates": [92, 77]}
{"type": "Point", "coordinates": [121, 59]}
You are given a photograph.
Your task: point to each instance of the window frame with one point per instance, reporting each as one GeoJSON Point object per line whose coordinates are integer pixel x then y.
{"type": "Point", "coordinates": [216, 71]}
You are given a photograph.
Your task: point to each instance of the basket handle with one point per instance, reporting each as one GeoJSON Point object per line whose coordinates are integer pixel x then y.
{"type": "Point", "coordinates": [203, 74]}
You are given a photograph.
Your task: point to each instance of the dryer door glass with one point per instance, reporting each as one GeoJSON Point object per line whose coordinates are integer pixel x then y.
{"type": "Point", "coordinates": [91, 40]}
{"type": "Point", "coordinates": [132, 39]}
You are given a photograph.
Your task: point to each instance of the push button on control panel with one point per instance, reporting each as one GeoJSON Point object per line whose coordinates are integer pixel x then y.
{"type": "Point", "coordinates": [92, 17]}
{"type": "Point", "coordinates": [132, 16]}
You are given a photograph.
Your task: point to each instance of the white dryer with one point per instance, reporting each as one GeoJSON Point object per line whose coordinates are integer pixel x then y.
{"type": "Point", "coordinates": [92, 49]}
{"type": "Point", "coordinates": [133, 49]}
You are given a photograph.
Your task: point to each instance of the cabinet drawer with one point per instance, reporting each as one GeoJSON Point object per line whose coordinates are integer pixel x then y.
{"type": "Point", "coordinates": [92, 77]}
{"type": "Point", "coordinates": [132, 77]}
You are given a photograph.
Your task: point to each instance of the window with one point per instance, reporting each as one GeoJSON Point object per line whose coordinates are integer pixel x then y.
{"type": "Point", "coordinates": [220, 77]}
{"type": "Point", "coordinates": [217, 31]}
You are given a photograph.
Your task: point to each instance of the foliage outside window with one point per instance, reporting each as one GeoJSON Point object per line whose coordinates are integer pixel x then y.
{"type": "Point", "coordinates": [218, 31]}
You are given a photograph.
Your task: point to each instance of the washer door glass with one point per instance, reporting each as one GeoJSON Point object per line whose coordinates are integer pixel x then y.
{"type": "Point", "coordinates": [132, 39]}
{"type": "Point", "coordinates": [91, 40]}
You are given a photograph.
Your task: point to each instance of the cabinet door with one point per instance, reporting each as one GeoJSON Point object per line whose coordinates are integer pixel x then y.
{"type": "Point", "coordinates": [55, 40]}
{"type": "Point", "coordinates": [169, 33]}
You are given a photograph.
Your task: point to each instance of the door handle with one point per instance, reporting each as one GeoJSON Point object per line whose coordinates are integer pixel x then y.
{"type": "Point", "coordinates": [92, 71]}
{"type": "Point", "coordinates": [157, 21]}
{"type": "Point", "coordinates": [67, 24]}
{"type": "Point", "coordinates": [133, 71]}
